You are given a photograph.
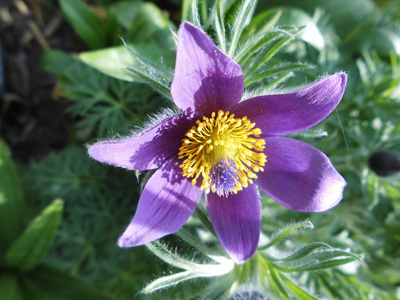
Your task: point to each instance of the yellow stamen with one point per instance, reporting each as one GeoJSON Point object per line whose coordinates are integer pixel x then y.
{"type": "Point", "coordinates": [225, 151]}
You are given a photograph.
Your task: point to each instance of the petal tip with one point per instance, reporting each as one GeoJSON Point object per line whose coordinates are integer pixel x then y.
{"type": "Point", "coordinates": [237, 222]}
{"type": "Point", "coordinates": [98, 152]}
{"type": "Point", "coordinates": [191, 27]}
{"type": "Point", "coordinates": [240, 258]}
{"type": "Point", "coordinates": [187, 25]}
{"type": "Point", "coordinates": [92, 150]}
{"type": "Point", "coordinates": [126, 242]}
{"type": "Point", "coordinates": [205, 78]}
{"type": "Point", "coordinates": [335, 195]}
{"type": "Point", "coordinates": [105, 152]}
{"type": "Point", "coordinates": [336, 82]}
{"type": "Point", "coordinates": [343, 78]}
{"type": "Point", "coordinates": [300, 177]}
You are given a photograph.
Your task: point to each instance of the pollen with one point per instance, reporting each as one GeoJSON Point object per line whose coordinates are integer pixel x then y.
{"type": "Point", "coordinates": [223, 152]}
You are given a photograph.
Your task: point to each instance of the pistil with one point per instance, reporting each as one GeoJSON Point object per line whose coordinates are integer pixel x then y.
{"type": "Point", "coordinates": [224, 152]}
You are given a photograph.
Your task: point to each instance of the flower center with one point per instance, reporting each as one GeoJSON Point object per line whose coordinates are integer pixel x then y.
{"type": "Point", "coordinates": [225, 151]}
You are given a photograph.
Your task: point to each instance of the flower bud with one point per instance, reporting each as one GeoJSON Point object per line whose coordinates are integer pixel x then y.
{"type": "Point", "coordinates": [385, 163]}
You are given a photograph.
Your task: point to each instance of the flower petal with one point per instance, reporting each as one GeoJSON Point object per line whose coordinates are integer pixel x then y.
{"type": "Point", "coordinates": [205, 79]}
{"type": "Point", "coordinates": [148, 151]}
{"type": "Point", "coordinates": [166, 203]}
{"type": "Point", "coordinates": [299, 176]}
{"type": "Point", "coordinates": [237, 221]}
{"type": "Point", "coordinates": [289, 113]}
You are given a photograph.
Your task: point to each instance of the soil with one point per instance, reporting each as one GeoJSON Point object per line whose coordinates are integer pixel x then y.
{"type": "Point", "coordinates": [33, 121]}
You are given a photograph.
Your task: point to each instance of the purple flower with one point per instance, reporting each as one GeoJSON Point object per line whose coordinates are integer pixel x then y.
{"type": "Point", "coordinates": [226, 148]}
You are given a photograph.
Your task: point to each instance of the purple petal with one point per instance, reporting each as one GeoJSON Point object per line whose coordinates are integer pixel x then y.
{"type": "Point", "coordinates": [148, 151]}
{"type": "Point", "coordinates": [237, 221]}
{"type": "Point", "coordinates": [299, 176]}
{"type": "Point", "coordinates": [297, 111]}
{"type": "Point", "coordinates": [205, 80]}
{"type": "Point", "coordinates": [166, 203]}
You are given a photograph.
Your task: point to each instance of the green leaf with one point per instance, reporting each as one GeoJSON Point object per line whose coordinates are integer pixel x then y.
{"type": "Point", "coordinates": [195, 14]}
{"type": "Point", "coordinates": [157, 78]}
{"type": "Point", "coordinates": [303, 252]}
{"type": "Point", "coordinates": [144, 22]}
{"type": "Point", "coordinates": [218, 287]}
{"type": "Point", "coordinates": [345, 14]}
{"type": "Point", "coordinates": [12, 206]}
{"type": "Point", "coordinates": [30, 248]}
{"type": "Point", "coordinates": [220, 26]}
{"type": "Point", "coordinates": [198, 244]}
{"type": "Point", "coordinates": [150, 25]}
{"type": "Point", "coordinates": [85, 22]}
{"type": "Point", "coordinates": [115, 61]}
{"type": "Point", "coordinates": [153, 81]}
{"type": "Point", "coordinates": [56, 61]}
{"type": "Point", "coordinates": [9, 289]}
{"type": "Point", "coordinates": [277, 70]}
{"type": "Point", "coordinates": [167, 281]}
{"type": "Point", "coordinates": [269, 274]}
{"type": "Point", "coordinates": [324, 259]}
{"type": "Point", "coordinates": [277, 81]}
{"type": "Point", "coordinates": [311, 134]}
{"type": "Point", "coordinates": [130, 12]}
{"type": "Point", "coordinates": [70, 175]}
{"type": "Point", "coordinates": [126, 12]}
{"type": "Point", "coordinates": [60, 285]}
{"type": "Point", "coordinates": [171, 280]}
{"type": "Point", "coordinates": [31, 290]}
{"type": "Point", "coordinates": [283, 233]}
{"type": "Point", "coordinates": [104, 103]}
{"type": "Point", "coordinates": [186, 4]}
{"type": "Point", "coordinates": [278, 284]}
{"type": "Point", "coordinates": [296, 289]}
{"type": "Point", "coordinates": [256, 43]}
{"type": "Point", "coordinates": [203, 12]}
{"type": "Point", "coordinates": [203, 217]}
{"type": "Point", "coordinates": [231, 10]}
{"type": "Point", "coordinates": [242, 19]}
{"type": "Point", "coordinates": [310, 33]}
{"type": "Point", "coordinates": [262, 23]}
{"type": "Point", "coordinates": [193, 270]}
{"type": "Point", "coordinates": [267, 56]}
{"type": "Point", "coordinates": [166, 255]}
{"type": "Point", "coordinates": [372, 188]}
{"type": "Point", "coordinates": [112, 30]}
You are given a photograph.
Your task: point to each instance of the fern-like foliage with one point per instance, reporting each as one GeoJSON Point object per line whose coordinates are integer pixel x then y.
{"type": "Point", "coordinates": [102, 104]}
{"type": "Point", "coordinates": [98, 199]}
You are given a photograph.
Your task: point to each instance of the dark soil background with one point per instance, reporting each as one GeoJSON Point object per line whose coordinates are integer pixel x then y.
{"type": "Point", "coordinates": [32, 116]}
{"type": "Point", "coordinates": [33, 121]}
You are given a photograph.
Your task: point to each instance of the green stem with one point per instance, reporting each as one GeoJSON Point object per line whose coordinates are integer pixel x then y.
{"type": "Point", "coordinates": [204, 219]}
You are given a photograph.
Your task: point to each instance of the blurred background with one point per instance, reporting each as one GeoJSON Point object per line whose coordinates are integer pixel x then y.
{"type": "Point", "coordinates": [63, 86]}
